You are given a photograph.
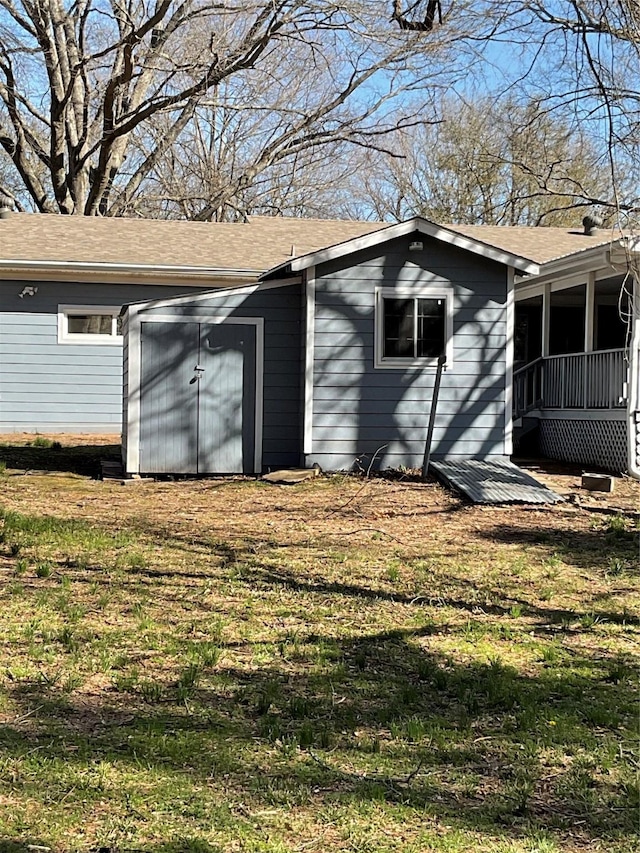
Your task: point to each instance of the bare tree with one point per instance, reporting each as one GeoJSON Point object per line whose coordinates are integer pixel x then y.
{"type": "Point", "coordinates": [489, 163]}
{"type": "Point", "coordinates": [94, 96]}
{"type": "Point", "coordinates": [580, 58]}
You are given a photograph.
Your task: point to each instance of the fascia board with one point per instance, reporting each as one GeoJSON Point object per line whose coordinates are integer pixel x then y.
{"type": "Point", "coordinates": [339, 250]}
{"type": "Point", "coordinates": [568, 267]}
{"type": "Point", "coordinates": [625, 250]}
{"type": "Point", "coordinates": [218, 293]}
{"type": "Point", "coordinates": [72, 270]}
{"type": "Point", "coordinates": [445, 235]}
{"type": "Point", "coordinates": [402, 229]}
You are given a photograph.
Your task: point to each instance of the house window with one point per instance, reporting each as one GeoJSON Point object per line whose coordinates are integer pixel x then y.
{"type": "Point", "coordinates": [89, 324]}
{"type": "Point", "coordinates": [412, 328]}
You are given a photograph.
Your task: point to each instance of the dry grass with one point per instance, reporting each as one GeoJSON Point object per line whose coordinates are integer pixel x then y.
{"type": "Point", "coordinates": [352, 665]}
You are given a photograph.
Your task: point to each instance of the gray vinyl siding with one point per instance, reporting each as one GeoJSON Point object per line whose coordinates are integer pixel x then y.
{"type": "Point", "coordinates": [48, 386]}
{"type": "Point", "coordinates": [359, 411]}
{"type": "Point", "coordinates": [281, 310]}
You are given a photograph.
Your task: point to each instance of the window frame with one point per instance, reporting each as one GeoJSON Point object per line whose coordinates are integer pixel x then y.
{"type": "Point", "coordinates": [67, 337]}
{"type": "Point", "coordinates": [390, 362]}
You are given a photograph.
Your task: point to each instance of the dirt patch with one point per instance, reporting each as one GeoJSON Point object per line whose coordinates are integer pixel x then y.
{"type": "Point", "coordinates": [23, 439]}
{"type": "Point", "coordinates": [81, 454]}
{"type": "Point", "coordinates": [566, 481]}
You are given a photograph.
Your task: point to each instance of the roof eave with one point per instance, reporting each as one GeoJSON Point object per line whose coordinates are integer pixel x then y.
{"type": "Point", "coordinates": [598, 257]}
{"type": "Point", "coordinates": [99, 271]}
{"type": "Point", "coordinates": [281, 270]}
{"type": "Point", "coordinates": [136, 307]}
{"type": "Point", "coordinates": [401, 229]}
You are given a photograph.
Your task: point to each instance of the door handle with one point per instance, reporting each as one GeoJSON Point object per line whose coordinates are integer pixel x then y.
{"type": "Point", "coordinates": [198, 372]}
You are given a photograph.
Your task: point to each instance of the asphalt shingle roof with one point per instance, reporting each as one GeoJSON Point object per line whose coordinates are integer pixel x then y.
{"type": "Point", "coordinates": [257, 245]}
{"type": "Point", "coordinates": [538, 244]}
{"type": "Point", "coordinates": [253, 246]}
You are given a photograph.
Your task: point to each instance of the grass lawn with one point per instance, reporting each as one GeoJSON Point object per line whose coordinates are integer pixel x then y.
{"type": "Point", "coordinates": [344, 665]}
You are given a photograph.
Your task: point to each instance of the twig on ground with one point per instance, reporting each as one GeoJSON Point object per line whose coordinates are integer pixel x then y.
{"type": "Point", "coordinates": [368, 530]}
{"type": "Point", "coordinates": [30, 713]}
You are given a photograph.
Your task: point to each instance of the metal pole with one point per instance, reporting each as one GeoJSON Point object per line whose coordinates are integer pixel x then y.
{"type": "Point", "coordinates": [432, 417]}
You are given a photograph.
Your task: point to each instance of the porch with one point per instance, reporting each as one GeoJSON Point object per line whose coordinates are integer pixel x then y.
{"type": "Point", "coordinates": [571, 376]}
{"type": "Point", "coordinates": [585, 381]}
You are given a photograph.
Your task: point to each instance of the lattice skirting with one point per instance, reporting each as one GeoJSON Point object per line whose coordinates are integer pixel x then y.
{"type": "Point", "coordinates": [601, 444]}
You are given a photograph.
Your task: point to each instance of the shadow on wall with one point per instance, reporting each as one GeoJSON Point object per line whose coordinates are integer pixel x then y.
{"type": "Point", "coordinates": [382, 414]}
{"type": "Point", "coordinates": [360, 413]}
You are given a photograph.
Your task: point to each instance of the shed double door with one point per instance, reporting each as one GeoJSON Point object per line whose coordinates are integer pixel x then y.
{"type": "Point", "coordinates": [197, 398]}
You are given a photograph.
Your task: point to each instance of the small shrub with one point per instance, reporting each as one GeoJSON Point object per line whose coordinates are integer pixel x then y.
{"type": "Point", "coordinates": [43, 569]}
{"type": "Point", "coordinates": [617, 567]}
{"type": "Point", "coordinates": [619, 671]}
{"type": "Point", "coordinates": [266, 697]}
{"type": "Point", "coordinates": [41, 441]}
{"type": "Point", "coordinates": [299, 707]}
{"type": "Point", "coordinates": [590, 620]}
{"type": "Point", "coordinates": [71, 683]}
{"type": "Point", "coordinates": [306, 735]}
{"type": "Point", "coordinates": [126, 682]}
{"type": "Point", "coordinates": [150, 691]}
{"type": "Point", "coordinates": [188, 681]}
{"type": "Point", "coordinates": [68, 639]}
{"type": "Point", "coordinates": [550, 654]}
{"type": "Point", "coordinates": [131, 560]}
{"type": "Point", "coordinates": [208, 653]}
{"type": "Point", "coordinates": [393, 573]}
{"type": "Point", "coordinates": [21, 567]}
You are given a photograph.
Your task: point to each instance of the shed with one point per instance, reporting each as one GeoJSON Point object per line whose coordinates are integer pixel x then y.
{"type": "Point", "coordinates": [330, 358]}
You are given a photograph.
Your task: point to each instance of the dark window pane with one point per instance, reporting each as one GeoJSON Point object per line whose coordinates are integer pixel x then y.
{"type": "Point", "coordinates": [89, 324]}
{"type": "Point", "coordinates": [398, 328]}
{"type": "Point", "coordinates": [431, 328]}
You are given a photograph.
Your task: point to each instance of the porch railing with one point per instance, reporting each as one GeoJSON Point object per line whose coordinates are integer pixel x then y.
{"type": "Point", "coordinates": [527, 388]}
{"type": "Point", "coordinates": [586, 380]}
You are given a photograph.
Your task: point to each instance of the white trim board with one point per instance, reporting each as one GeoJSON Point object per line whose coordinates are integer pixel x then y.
{"type": "Point", "coordinates": [633, 403]}
{"type": "Point", "coordinates": [584, 258]}
{"type": "Point", "coordinates": [401, 229]}
{"type": "Point", "coordinates": [578, 414]}
{"type": "Point", "coordinates": [67, 338]}
{"type": "Point", "coordinates": [422, 292]}
{"type": "Point", "coordinates": [509, 345]}
{"type": "Point", "coordinates": [135, 376]}
{"type": "Point", "coordinates": [309, 357]}
{"type": "Point", "coordinates": [535, 288]}
{"type": "Point", "coordinates": [243, 289]}
{"type": "Point", "coordinates": [63, 270]}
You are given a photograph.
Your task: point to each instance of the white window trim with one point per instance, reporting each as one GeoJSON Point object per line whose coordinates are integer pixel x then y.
{"type": "Point", "coordinates": [446, 293]}
{"type": "Point", "coordinates": [66, 337]}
